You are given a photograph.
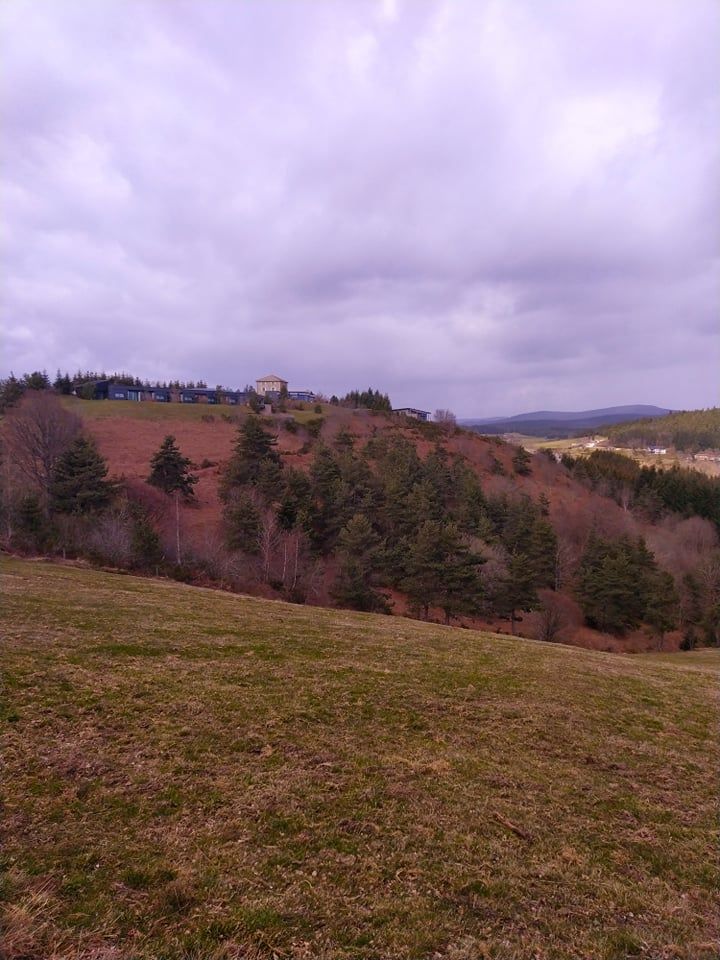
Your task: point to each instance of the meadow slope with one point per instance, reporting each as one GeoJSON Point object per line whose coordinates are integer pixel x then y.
{"type": "Point", "coordinates": [192, 774]}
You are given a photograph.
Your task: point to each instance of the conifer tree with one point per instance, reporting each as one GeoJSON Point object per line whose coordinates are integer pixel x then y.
{"type": "Point", "coordinates": [522, 462]}
{"type": "Point", "coordinates": [359, 551]}
{"type": "Point", "coordinates": [144, 541]}
{"type": "Point", "coordinates": [516, 591]}
{"type": "Point", "coordinates": [243, 524]}
{"type": "Point", "coordinates": [662, 605]}
{"type": "Point", "coordinates": [79, 482]}
{"type": "Point", "coordinates": [170, 471]}
{"type": "Point", "coordinates": [253, 448]}
{"type": "Point", "coordinates": [442, 571]}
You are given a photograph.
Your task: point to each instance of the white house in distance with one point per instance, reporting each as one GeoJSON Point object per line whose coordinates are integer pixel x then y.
{"type": "Point", "coordinates": [270, 384]}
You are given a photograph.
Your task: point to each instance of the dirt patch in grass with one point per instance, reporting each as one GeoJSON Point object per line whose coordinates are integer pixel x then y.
{"type": "Point", "coordinates": [190, 774]}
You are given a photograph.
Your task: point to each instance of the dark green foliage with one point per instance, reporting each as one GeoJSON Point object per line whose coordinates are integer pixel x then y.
{"type": "Point", "coordinates": [661, 611]}
{"type": "Point", "coordinates": [522, 462]}
{"type": "Point", "coordinates": [516, 591]}
{"type": "Point", "coordinates": [253, 459]}
{"type": "Point", "coordinates": [256, 402]}
{"type": "Point", "coordinates": [144, 541]}
{"type": "Point", "coordinates": [344, 440]}
{"type": "Point", "coordinates": [314, 426]}
{"type": "Point", "coordinates": [442, 571]}
{"type": "Point", "coordinates": [359, 553]}
{"type": "Point", "coordinates": [243, 524]}
{"type": "Point", "coordinates": [63, 383]}
{"type": "Point", "coordinates": [34, 527]}
{"type": "Point", "coordinates": [700, 605]}
{"type": "Point", "coordinates": [296, 501]}
{"type": "Point", "coordinates": [690, 430]}
{"type": "Point", "coordinates": [11, 390]}
{"type": "Point", "coordinates": [79, 482]}
{"type": "Point", "coordinates": [618, 581]}
{"type": "Point", "coordinates": [370, 399]}
{"type": "Point", "coordinates": [170, 470]}
{"type": "Point", "coordinates": [649, 489]}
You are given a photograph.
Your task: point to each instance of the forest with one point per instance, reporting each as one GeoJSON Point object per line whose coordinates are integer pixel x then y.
{"type": "Point", "coordinates": [688, 431]}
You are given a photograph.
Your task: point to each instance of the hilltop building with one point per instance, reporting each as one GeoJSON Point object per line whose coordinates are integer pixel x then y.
{"type": "Point", "coordinates": [270, 384]}
{"type": "Point", "coordinates": [412, 412]}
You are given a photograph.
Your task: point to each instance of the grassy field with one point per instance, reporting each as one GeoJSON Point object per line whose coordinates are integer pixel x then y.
{"type": "Point", "coordinates": [170, 412]}
{"type": "Point", "coordinates": [191, 774]}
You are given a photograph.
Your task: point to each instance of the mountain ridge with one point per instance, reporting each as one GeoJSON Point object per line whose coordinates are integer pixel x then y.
{"type": "Point", "coordinates": [635, 410]}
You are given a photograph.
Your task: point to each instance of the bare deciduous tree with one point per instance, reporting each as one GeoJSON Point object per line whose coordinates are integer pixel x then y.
{"type": "Point", "coordinates": [446, 419]}
{"type": "Point", "coordinates": [35, 434]}
{"type": "Point", "coordinates": [550, 620]}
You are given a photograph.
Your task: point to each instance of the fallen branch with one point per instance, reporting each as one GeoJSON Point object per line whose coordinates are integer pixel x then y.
{"type": "Point", "coordinates": [512, 827]}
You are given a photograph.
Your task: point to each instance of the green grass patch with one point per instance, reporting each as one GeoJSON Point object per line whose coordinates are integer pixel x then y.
{"type": "Point", "coordinates": [189, 773]}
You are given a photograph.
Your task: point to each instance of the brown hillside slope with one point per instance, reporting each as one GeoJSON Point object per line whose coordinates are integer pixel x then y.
{"type": "Point", "coordinates": [129, 434]}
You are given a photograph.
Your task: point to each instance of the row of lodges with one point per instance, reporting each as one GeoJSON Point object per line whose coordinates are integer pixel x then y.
{"type": "Point", "coordinates": [270, 389]}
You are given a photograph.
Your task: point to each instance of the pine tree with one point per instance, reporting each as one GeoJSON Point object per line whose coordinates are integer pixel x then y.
{"type": "Point", "coordinates": [145, 543]}
{"type": "Point", "coordinates": [79, 482]}
{"type": "Point", "coordinates": [516, 592]}
{"type": "Point", "coordinates": [243, 524]}
{"type": "Point", "coordinates": [522, 462]}
{"type": "Point", "coordinates": [359, 551]}
{"type": "Point", "coordinates": [442, 571]}
{"type": "Point", "coordinates": [662, 605]}
{"type": "Point", "coordinates": [170, 470]}
{"type": "Point", "coordinates": [612, 584]}
{"type": "Point", "coordinates": [253, 447]}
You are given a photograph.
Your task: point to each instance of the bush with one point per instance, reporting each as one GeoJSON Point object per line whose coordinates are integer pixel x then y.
{"type": "Point", "coordinates": [291, 425]}
{"type": "Point", "coordinates": [315, 426]}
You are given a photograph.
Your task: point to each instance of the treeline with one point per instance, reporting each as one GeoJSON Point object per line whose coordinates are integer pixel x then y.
{"type": "Point", "coordinates": [689, 431]}
{"type": "Point", "coordinates": [650, 490]}
{"type": "Point", "coordinates": [368, 399]}
{"type": "Point", "coordinates": [13, 388]}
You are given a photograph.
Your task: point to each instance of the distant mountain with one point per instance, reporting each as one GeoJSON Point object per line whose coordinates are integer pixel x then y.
{"type": "Point", "coordinates": [564, 423]}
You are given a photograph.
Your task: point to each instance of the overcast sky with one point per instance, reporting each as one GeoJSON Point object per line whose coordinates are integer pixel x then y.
{"type": "Point", "coordinates": [490, 205]}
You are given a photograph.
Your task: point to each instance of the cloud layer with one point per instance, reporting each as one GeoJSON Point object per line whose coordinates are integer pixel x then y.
{"type": "Point", "coordinates": [491, 206]}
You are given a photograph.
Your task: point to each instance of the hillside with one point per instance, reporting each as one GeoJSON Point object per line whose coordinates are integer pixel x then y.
{"type": "Point", "coordinates": [190, 774]}
{"type": "Point", "coordinates": [361, 509]}
{"type": "Point", "coordinates": [688, 431]}
{"type": "Point", "coordinates": [563, 423]}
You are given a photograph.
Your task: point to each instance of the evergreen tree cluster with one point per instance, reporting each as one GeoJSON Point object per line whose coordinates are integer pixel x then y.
{"type": "Point", "coordinates": [390, 519]}
{"type": "Point", "coordinates": [620, 586]}
{"type": "Point", "coordinates": [690, 431]}
{"type": "Point", "coordinates": [650, 489]}
{"type": "Point", "coordinates": [13, 388]}
{"type": "Point", "coordinates": [369, 399]}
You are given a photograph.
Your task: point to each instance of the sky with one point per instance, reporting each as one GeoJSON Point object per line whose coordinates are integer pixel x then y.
{"type": "Point", "coordinates": [490, 206]}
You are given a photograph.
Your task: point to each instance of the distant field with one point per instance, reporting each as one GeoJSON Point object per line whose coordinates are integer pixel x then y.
{"type": "Point", "coordinates": [102, 409]}
{"type": "Point", "coordinates": [159, 412]}
{"type": "Point", "coordinates": [190, 774]}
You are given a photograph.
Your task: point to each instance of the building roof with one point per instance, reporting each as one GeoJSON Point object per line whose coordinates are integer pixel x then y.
{"type": "Point", "coordinates": [269, 377]}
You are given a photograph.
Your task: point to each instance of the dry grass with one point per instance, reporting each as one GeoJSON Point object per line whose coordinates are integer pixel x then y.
{"type": "Point", "coordinates": [190, 774]}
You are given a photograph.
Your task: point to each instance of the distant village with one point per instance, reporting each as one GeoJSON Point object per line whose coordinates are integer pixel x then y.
{"type": "Point", "coordinates": [269, 389]}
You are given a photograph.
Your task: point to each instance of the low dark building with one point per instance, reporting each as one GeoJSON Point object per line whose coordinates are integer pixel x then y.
{"type": "Point", "coordinates": [412, 412]}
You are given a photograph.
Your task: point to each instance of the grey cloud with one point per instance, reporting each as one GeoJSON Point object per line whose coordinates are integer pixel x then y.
{"type": "Point", "coordinates": [482, 205]}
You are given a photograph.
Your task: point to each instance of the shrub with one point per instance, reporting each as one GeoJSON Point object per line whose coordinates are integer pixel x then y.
{"type": "Point", "coordinates": [315, 426]}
